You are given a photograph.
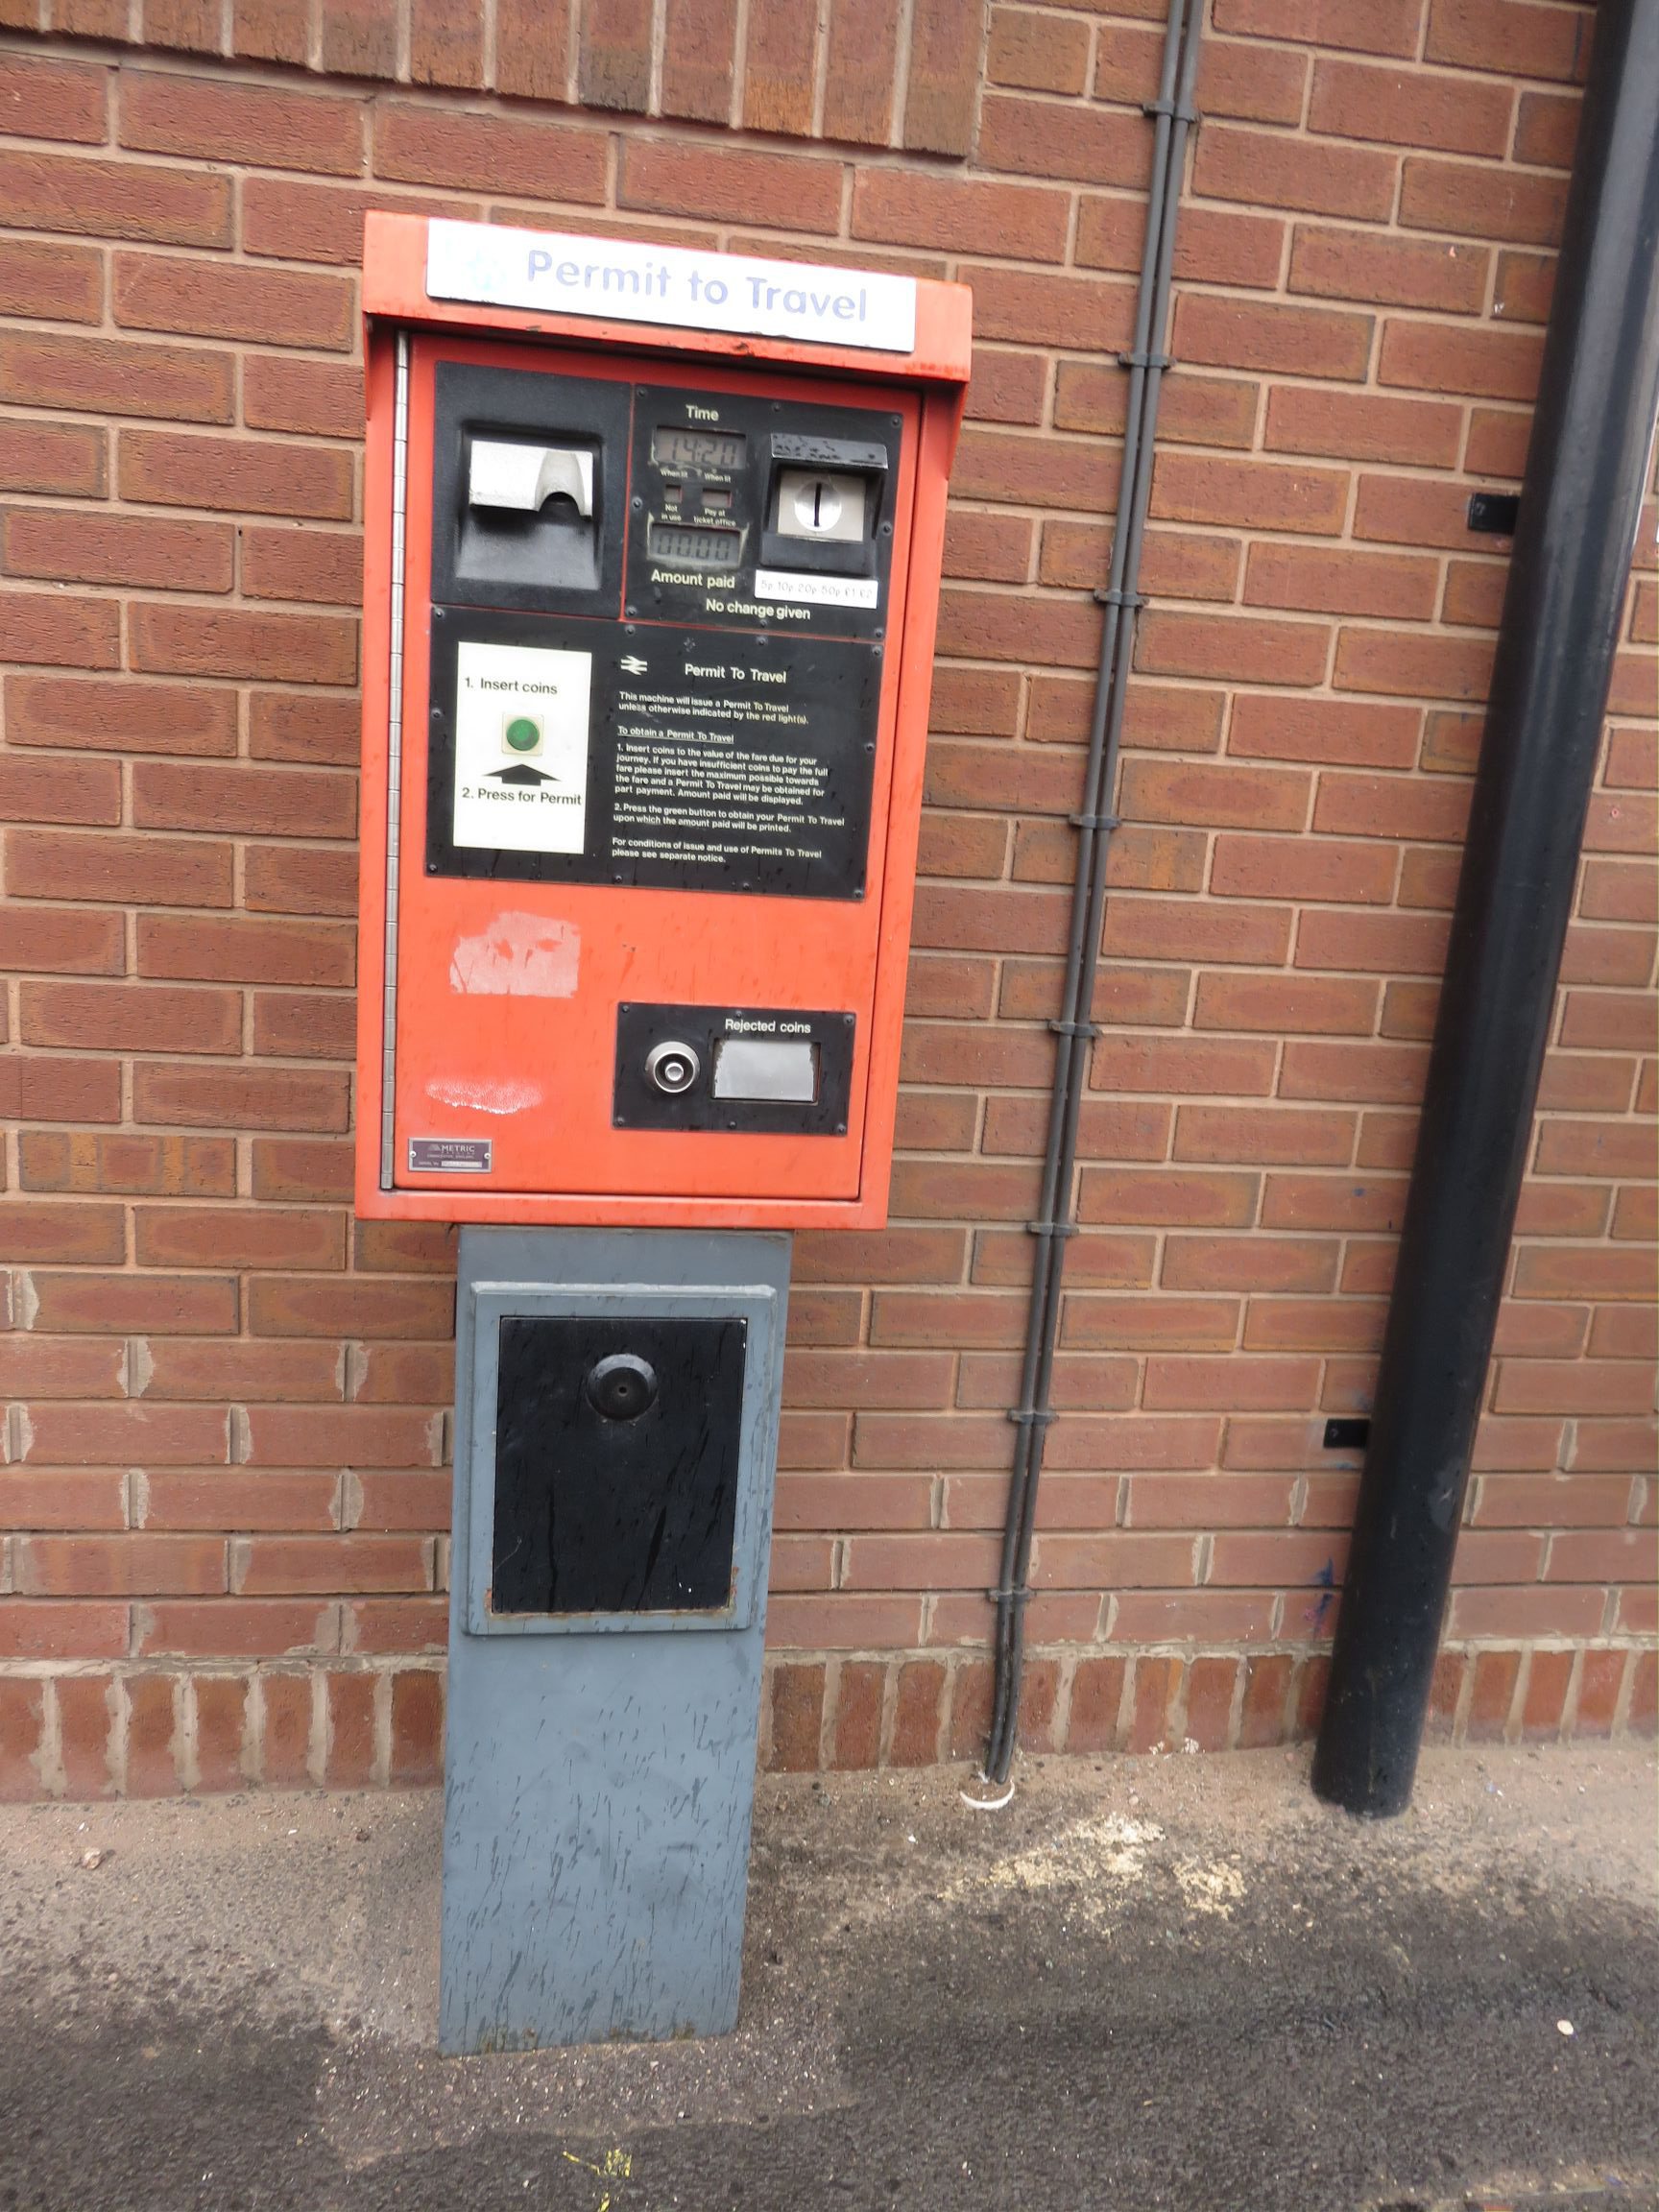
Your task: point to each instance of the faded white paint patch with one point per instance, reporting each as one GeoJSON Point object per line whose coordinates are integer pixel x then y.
{"type": "Point", "coordinates": [1095, 1865]}
{"type": "Point", "coordinates": [1214, 1887]}
{"type": "Point", "coordinates": [518, 956]}
{"type": "Point", "coordinates": [484, 1098]}
{"type": "Point", "coordinates": [1092, 1863]}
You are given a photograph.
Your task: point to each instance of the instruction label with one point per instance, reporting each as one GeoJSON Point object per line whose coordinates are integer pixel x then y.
{"type": "Point", "coordinates": [743, 764]}
{"type": "Point", "coordinates": [521, 714]}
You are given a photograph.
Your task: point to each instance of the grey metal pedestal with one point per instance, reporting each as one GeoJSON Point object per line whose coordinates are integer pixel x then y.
{"type": "Point", "coordinates": [617, 1428]}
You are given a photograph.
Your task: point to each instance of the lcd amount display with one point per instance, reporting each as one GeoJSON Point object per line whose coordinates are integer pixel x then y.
{"type": "Point", "coordinates": [695, 548]}
{"type": "Point", "coordinates": [699, 450]}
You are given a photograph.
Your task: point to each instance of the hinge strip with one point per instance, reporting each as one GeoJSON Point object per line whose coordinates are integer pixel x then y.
{"type": "Point", "coordinates": [394, 759]}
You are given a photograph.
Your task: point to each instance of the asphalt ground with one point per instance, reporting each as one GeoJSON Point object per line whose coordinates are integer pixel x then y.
{"type": "Point", "coordinates": [1159, 1982]}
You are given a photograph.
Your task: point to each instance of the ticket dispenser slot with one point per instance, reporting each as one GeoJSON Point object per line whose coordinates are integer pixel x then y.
{"type": "Point", "coordinates": [528, 481]}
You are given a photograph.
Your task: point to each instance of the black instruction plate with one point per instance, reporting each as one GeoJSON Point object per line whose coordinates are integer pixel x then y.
{"type": "Point", "coordinates": [592, 752]}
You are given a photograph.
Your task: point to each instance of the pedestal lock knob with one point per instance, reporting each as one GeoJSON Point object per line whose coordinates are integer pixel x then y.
{"type": "Point", "coordinates": [672, 1066]}
{"type": "Point", "coordinates": [622, 1386]}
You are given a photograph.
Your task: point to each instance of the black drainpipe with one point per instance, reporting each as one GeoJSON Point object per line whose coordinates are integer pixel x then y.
{"type": "Point", "coordinates": [1172, 116]}
{"type": "Point", "coordinates": [1580, 502]}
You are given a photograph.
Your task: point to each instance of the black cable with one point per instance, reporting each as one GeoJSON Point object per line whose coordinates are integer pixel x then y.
{"type": "Point", "coordinates": [1172, 116]}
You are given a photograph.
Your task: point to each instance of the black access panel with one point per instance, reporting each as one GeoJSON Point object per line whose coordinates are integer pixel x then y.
{"type": "Point", "coordinates": [616, 1460]}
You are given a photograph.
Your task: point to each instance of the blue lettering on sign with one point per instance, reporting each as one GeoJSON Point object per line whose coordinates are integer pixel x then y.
{"type": "Point", "coordinates": [626, 282]}
{"type": "Point", "coordinates": [654, 282]}
{"type": "Point", "coordinates": [793, 301]}
{"type": "Point", "coordinates": [599, 276]}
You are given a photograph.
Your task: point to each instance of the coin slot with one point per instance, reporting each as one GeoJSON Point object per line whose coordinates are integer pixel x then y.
{"type": "Point", "coordinates": [821, 506]}
{"type": "Point", "coordinates": [823, 509]}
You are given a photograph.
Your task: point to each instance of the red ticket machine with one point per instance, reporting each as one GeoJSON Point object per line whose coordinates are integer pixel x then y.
{"type": "Point", "coordinates": [653, 557]}
{"type": "Point", "coordinates": [654, 543]}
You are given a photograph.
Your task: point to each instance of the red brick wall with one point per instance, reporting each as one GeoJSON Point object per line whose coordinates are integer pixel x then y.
{"type": "Point", "coordinates": [223, 1455]}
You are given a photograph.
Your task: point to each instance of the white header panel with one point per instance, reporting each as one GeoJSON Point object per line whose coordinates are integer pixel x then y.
{"type": "Point", "coordinates": [563, 274]}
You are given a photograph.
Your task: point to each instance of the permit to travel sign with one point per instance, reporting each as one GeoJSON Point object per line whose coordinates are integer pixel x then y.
{"type": "Point", "coordinates": [564, 273]}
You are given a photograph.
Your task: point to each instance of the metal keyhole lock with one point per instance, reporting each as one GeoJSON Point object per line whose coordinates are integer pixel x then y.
{"type": "Point", "coordinates": [622, 1386]}
{"type": "Point", "coordinates": [672, 1066]}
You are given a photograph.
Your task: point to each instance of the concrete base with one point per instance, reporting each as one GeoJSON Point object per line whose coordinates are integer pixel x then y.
{"type": "Point", "coordinates": [599, 1769]}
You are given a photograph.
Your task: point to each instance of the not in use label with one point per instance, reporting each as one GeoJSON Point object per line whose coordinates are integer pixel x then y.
{"type": "Point", "coordinates": [521, 748]}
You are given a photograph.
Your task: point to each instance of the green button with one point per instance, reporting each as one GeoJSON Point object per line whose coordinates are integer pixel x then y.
{"type": "Point", "coordinates": [523, 735]}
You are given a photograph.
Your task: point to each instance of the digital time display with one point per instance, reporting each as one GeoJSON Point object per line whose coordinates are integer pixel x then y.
{"type": "Point", "coordinates": [711, 547]}
{"type": "Point", "coordinates": [697, 449]}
